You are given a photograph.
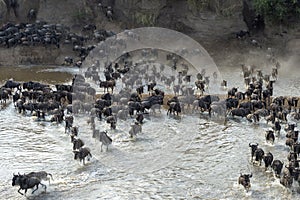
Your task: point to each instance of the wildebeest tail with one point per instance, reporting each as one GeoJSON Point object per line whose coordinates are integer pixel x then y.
{"type": "Point", "coordinates": [50, 176]}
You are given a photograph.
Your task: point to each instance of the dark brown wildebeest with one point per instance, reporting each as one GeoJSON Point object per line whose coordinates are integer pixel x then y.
{"type": "Point", "coordinates": [108, 84]}
{"type": "Point", "coordinates": [268, 159]}
{"type": "Point", "coordinates": [244, 180]}
{"type": "Point", "coordinates": [82, 153]}
{"type": "Point", "coordinates": [42, 175]}
{"type": "Point", "coordinates": [26, 182]}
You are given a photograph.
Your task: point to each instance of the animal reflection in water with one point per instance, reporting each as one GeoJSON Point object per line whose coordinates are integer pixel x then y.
{"type": "Point", "coordinates": [27, 182]}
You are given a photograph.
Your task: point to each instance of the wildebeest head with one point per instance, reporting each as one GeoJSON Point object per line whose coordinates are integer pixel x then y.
{"type": "Point", "coordinates": [253, 148]}
{"type": "Point", "coordinates": [77, 143]}
{"type": "Point", "coordinates": [15, 179]}
{"type": "Point", "coordinates": [244, 180]}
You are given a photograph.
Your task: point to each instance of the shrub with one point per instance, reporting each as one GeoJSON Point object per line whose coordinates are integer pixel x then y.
{"type": "Point", "coordinates": [278, 11]}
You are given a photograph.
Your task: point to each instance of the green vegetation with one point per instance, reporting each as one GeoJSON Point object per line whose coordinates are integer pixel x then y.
{"type": "Point", "coordinates": [145, 19]}
{"type": "Point", "coordinates": [198, 5]}
{"type": "Point", "coordinates": [278, 11]}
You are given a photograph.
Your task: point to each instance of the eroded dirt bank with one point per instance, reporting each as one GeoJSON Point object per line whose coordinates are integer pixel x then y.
{"type": "Point", "coordinates": [212, 23]}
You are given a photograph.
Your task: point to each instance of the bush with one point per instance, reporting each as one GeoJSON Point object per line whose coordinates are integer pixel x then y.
{"type": "Point", "coordinates": [278, 11]}
{"type": "Point", "coordinates": [198, 5]}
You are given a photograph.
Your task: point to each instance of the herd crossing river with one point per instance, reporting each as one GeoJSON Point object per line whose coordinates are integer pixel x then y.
{"type": "Point", "coordinates": [185, 157]}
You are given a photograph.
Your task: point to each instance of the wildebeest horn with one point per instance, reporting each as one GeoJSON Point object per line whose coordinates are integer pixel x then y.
{"type": "Point", "coordinates": [252, 143]}
{"type": "Point", "coordinates": [19, 174]}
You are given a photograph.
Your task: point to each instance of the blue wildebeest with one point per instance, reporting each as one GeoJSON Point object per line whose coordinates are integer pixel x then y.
{"type": "Point", "coordinates": [277, 166]}
{"type": "Point", "coordinates": [268, 159]}
{"type": "Point", "coordinates": [26, 182]}
{"type": "Point", "coordinates": [42, 175]}
{"type": "Point", "coordinates": [104, 139]}
{"type": "Point", "coordinates": [82, 153]}
{"type": "Point", "coordinates": [134, 129]}
{"type": "Point", "coordinates": [244, 180]}
{"type": "Point", "coordinates": [259, 154]}
{"type": "Point", "coordinates": [253, 147]}
{"type": "Point", "coordinates": [270, 137]}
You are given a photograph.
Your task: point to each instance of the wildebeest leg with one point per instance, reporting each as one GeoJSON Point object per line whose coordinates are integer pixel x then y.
{"type": "Point", "coordinates": [101, 147]}
{"type": "Point", "coordinates": [21, 192]}
{"type": "Point", "coordinates": [37, 187]}
{"type": "Point", "coordinates": [45, 185]}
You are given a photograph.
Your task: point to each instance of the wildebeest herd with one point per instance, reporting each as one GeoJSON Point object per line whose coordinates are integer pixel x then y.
{"type": "Point", "coordinates": [122, 96]}
{"type": "Point", "coordinates": [40, 33]}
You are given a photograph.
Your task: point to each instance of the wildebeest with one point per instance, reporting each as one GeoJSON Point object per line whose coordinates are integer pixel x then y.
{"type": "Point", "coordinates": [290, 142]}
{"type": "Point", "coordinates": [82, 153]}
{"type": "Point", "coordinates": [174, 107]}
{"type": "Point", "coordinates": [270, 136]}
{"type": "Point", "coordinates": [277, 166]}
{"type": "Point", "coordinates": [244, 180]}
{"type": "Point", "coordinates": [252, 118]}
{"type": "Point", "coordinates": [292, 156]}
{"type": "Point", "coordinates": [268, 159]}
{"type": "Point", "coordinates": [112, 120]}
{"type": "Point", "coordinates": [277, 127]}
{"type": "Point", "coordinates": [241, 112]}
{"type": "Point", "coordinates": [108, 84]}
{"type": "Point", "coordinates": [253, 146]}
{"type": "Point", "coordinates": [77, 143]}
{"type": "Point", "coordinates": [296, 148]}
{"type": "Point", "coordinates": [74, 132]}
{"type": "Point", "coordinates": [232, 92]}
{"type": "Point", "coordinates": [259, 154]}
{"type": "Point", "coordinates": [139, 118]}
{"type": "Point", "coordinates": [12, 84]}
{"type": "Point", "coordinates": [26, 182]}
{"type": "Point", "coordinates": [134, 129]}
{"type": "Point", "coordinates": [287, 178]}
{"type": "Point", "coordinates": [42, 175]}
{"type": "Point", "coordinates": [105, 139]}
{"type": "Point", "coordinates": [69, 122]}
{"type": "Point", "coordinates": [200, 84]}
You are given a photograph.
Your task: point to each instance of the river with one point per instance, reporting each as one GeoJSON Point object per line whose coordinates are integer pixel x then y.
{"type": "Point", "coordinates": [189, 157]}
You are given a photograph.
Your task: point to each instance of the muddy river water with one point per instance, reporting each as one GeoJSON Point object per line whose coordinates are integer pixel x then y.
{"type": "Point", "coordinates": [190, 157]}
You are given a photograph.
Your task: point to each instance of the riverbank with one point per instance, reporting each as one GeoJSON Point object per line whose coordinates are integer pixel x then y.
{"type": "Point", "coordinates": [213, 25]}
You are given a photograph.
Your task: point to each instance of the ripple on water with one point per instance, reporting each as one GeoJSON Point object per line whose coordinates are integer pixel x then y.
{"type": "Point", "coordinates": [182, 158]}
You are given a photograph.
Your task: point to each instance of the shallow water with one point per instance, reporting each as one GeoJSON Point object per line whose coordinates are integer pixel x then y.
{"type": "Point", "coordinates": [186, 157]}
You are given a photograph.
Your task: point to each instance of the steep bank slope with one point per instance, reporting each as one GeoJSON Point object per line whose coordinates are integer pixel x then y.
{"type": "Point", "coordinates": [212, 23]}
